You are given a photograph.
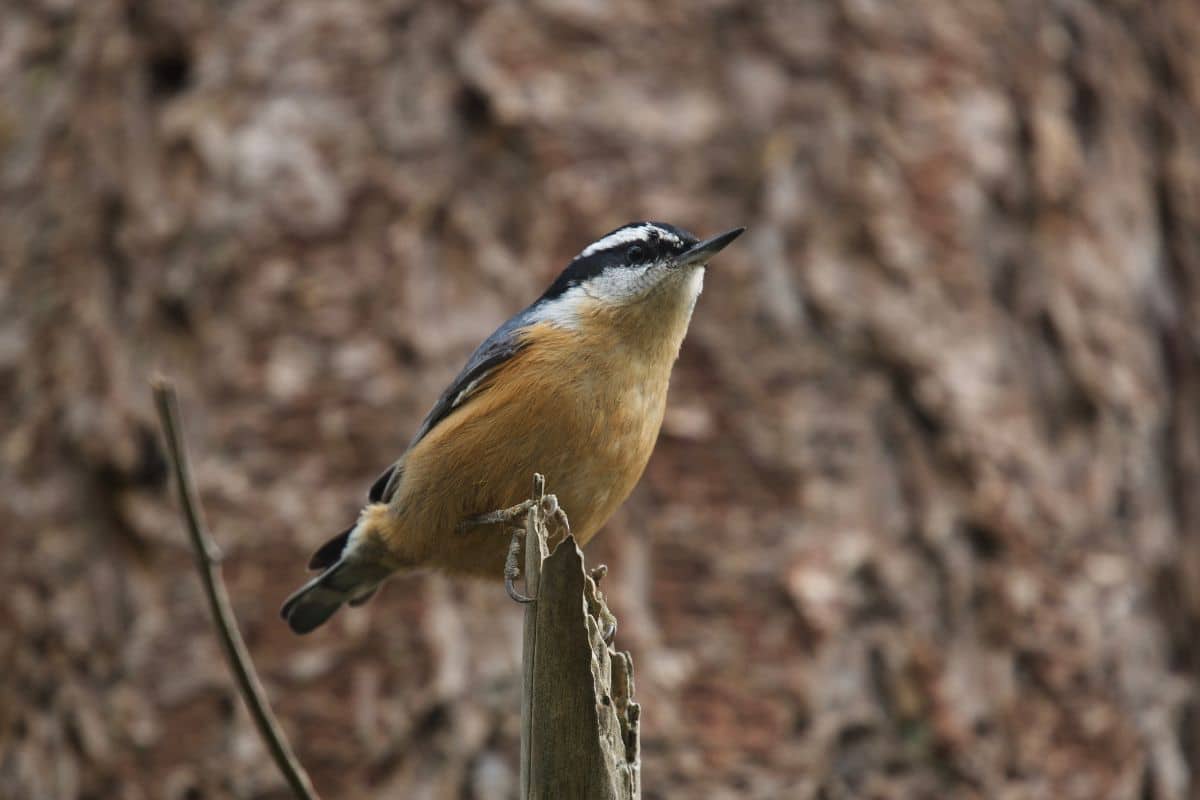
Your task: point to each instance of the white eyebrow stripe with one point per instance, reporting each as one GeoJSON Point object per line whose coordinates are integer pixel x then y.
{"type": "Point", "coordinates": [639, 234]}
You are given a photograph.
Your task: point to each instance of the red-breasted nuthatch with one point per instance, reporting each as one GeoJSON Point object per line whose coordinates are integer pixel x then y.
{"type": "Point", "coordinates": [573, 387]}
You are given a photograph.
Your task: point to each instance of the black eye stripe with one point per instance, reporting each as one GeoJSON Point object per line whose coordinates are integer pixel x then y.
{"type": "Point", "coordinates": [659, 240]}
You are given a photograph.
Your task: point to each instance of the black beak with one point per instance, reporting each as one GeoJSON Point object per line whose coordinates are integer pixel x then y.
{"type": "Point", "coordinates": [702, 252]}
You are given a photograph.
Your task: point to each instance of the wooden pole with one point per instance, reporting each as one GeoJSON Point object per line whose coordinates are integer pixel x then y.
{"type": "Point", "coordinates": [579, 724]}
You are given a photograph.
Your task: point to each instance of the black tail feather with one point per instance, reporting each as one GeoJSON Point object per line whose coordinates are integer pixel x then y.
{"type": "Point", "coordinates": [316, 601]}
{"type": "Point", "coordinates": [358, 600]}
{"type": "Point", "coordinates": [329, 553]}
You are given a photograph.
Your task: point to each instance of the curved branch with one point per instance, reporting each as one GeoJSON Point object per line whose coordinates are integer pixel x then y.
{"type": "Point", "coordinates": [208, 565]}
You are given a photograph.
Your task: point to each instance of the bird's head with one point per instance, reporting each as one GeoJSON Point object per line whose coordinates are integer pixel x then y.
{"type": "Point", "coordinates": [649, 267]}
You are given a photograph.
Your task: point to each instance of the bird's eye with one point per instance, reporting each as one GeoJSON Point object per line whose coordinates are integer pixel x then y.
{"type": "Point", "coordinates": [635, 252]}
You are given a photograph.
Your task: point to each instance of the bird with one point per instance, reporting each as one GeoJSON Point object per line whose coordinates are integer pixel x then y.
{"type": "Point", "coordinates": [573, 387]}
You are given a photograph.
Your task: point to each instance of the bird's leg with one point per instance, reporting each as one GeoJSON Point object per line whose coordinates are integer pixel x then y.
{"type": "Point", "coordinates": [547, 504]}
{"type": "Point", "coordinates": [493, 517]}
{"type": "Point", "coordinates": [512, 569]}
{"type": "Point", "coordinates": [552, 509]}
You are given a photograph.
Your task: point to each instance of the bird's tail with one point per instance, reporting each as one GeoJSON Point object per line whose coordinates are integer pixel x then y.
{"type": "Point", "coordinates": [354, 565]}
{"type": "Point", "coordinates": [317, 600]}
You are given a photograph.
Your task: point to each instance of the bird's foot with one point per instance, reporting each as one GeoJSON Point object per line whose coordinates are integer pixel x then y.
{"type": "Point", "coordinates": [504, 515]}
{"type": "Point", "coordinates": [552, 510]}
{"type": "Point", "coordinates": [512, 569]}
{"type": "Point", "coordinates": [546, 505]}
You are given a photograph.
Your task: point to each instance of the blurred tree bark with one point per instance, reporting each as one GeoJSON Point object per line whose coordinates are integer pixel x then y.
{"type": "Point", "coordinates": [925, 517]}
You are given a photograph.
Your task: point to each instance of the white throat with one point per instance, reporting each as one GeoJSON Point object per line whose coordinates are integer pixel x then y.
{"type": "Point", "coordinates": [634, 301]}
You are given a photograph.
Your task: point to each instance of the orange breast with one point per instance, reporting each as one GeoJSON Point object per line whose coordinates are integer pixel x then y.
{"type": "Point", "coordinates": [585, 414]}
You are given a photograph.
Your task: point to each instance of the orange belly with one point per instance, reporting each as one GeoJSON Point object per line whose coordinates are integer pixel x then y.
{"type": "Point", "coordinates": [589, 425]}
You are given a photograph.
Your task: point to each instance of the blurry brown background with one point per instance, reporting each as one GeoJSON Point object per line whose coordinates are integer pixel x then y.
{"type": "Point", "coordinates": [923, 521]}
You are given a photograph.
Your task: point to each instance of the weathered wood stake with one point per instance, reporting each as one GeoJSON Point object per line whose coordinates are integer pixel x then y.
{"type": "Point", "coordinates": [579, 723]}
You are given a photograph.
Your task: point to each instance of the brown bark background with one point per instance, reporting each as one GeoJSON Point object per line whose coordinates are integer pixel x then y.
{"type": "Point", "coordinates": [925, 517]}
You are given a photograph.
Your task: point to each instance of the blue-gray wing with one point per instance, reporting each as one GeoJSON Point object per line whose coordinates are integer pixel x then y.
{"type": "Point", "coordinates": [495, 350]}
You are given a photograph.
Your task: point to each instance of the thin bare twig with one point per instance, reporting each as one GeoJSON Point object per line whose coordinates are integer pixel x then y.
{"type": "Point", "coordinates": [208, 565]}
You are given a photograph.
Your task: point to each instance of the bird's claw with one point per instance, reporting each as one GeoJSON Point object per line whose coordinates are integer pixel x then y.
{"type": "Point", "coordinates": [514, 594]}
{"type": "Point", "coordinates": [547, 504]}
{"type": "Point", "coordinates": [552, 510]}
{"type": "Point", "coordinates": [511, 569]}
{"type": "Point", "coordinates": [493, 517]}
